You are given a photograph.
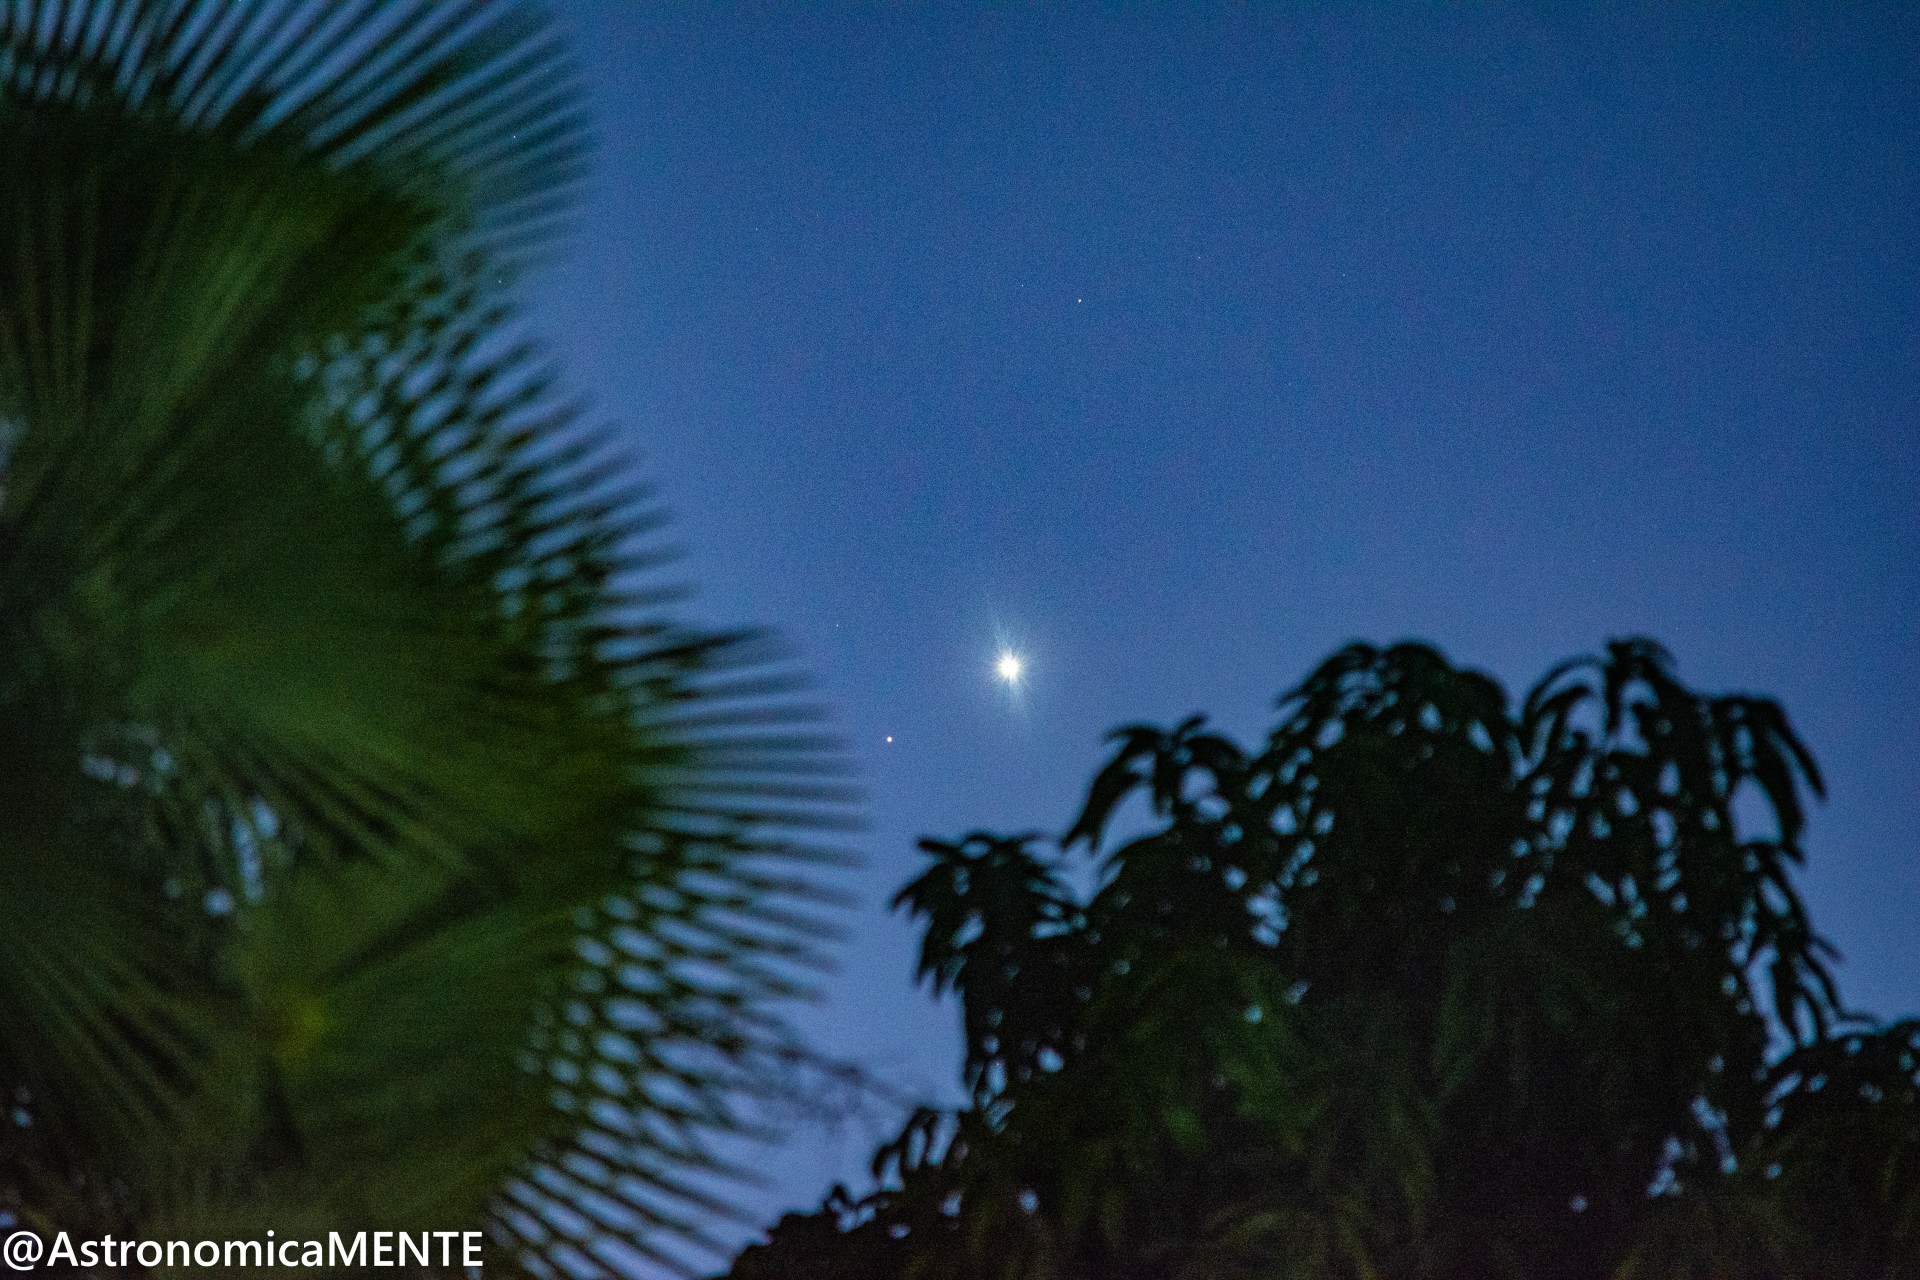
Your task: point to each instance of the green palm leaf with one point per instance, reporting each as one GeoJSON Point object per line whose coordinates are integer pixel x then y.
{"type": "Point", "coordinates": [375, 848]}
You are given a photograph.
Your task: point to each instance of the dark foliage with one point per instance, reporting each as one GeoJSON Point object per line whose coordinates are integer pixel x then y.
{"type": "Point", "coordinates": [1427, 987]}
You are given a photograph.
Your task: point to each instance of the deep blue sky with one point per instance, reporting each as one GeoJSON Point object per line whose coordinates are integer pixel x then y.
{"type": "Point", "coordinates": [1182, 347]}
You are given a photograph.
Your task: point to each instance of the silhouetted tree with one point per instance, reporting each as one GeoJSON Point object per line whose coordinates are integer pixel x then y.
{"type": "Point", "coordinates": [373, 852]}
{"type": "Point", "coordinates": [1426, 987]}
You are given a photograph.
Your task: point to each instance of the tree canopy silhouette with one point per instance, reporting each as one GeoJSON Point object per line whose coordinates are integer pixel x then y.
{"type": "Point", "coordinates": [374, 848]}
{"type": "Point", "coordinates": [1427, 986]}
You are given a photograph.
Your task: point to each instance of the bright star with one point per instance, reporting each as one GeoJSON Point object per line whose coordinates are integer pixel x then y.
{"type": "Point", "coordinates": [1009, 667]}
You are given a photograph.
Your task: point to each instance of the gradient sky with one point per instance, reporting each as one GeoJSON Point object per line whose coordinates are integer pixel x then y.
{"type": "Point", "coordinates": [1180, 347]}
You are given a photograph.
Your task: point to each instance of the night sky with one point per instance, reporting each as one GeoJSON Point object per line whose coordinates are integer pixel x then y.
{"type": "Point", "coordinates": [1175, 350]}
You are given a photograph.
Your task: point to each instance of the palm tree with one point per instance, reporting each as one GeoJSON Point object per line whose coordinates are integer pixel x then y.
{"type": "Point", "coordinates": [373, 850]}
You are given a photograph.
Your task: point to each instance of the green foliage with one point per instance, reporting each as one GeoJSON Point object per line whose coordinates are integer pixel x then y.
{"type": "Point", "coordinates": [1426, 987]}
{"type": "Point", "coordinates": [372, 849]}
